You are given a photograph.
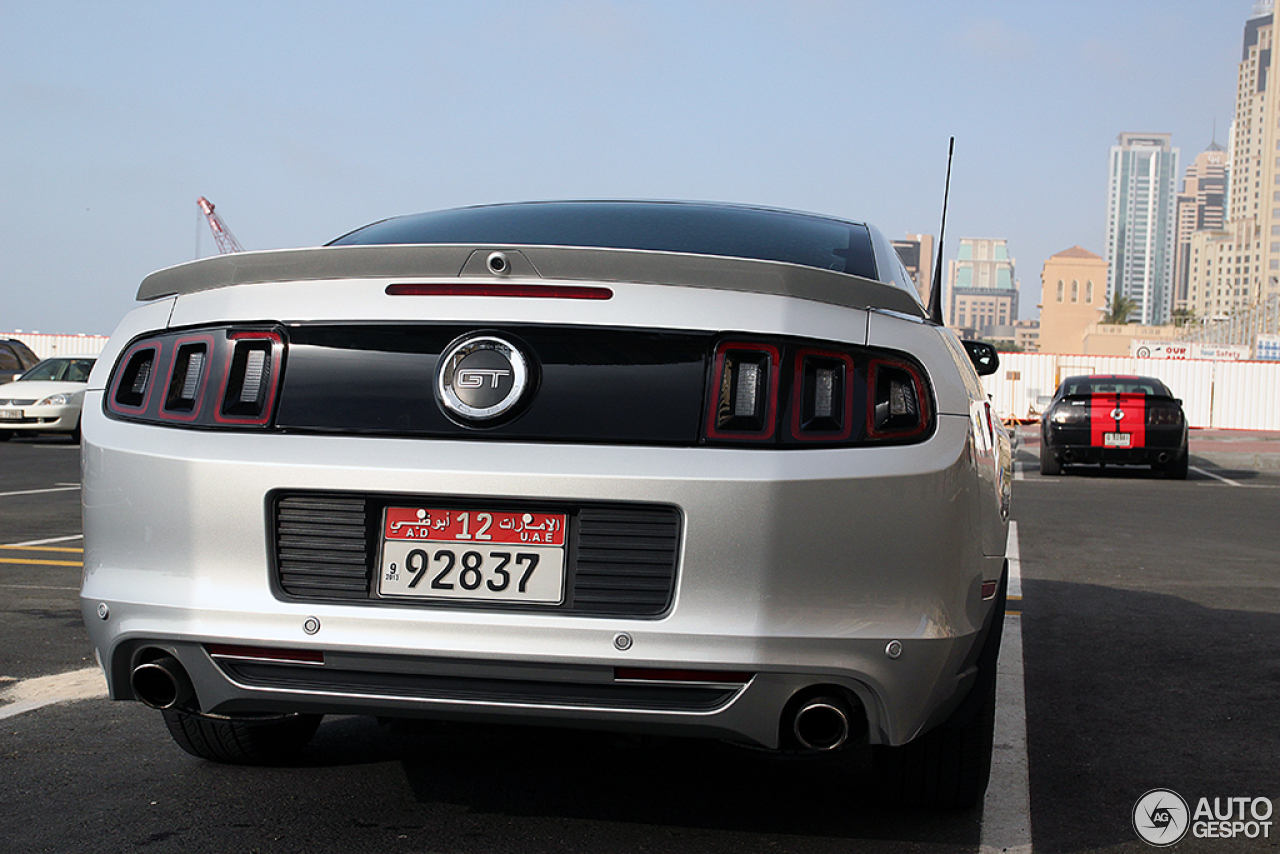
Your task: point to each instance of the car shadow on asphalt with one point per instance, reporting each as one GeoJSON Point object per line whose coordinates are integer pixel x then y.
{"type": "Point", "coordinates": [1128, 691]}
{"type": "Point", "coordinates": [528, 771]}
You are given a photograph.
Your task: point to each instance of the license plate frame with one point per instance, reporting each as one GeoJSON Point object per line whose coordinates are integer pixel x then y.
{"type": "Point", "coordinates": [1117, 440]}
{"type": "Point", "coordinates": [479, 555]}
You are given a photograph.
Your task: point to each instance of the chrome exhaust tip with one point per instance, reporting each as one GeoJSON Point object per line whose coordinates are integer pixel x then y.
{"type": "Point", "coordinates": [161, 683]}
{"type": "Point", "coordinates": [822, 724]}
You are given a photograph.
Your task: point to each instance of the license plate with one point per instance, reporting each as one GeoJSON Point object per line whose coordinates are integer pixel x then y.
{"type": "Point", "coordinates": [474, 555]}
{"type": "Point", "coordinates": [10, 414]}
{"type": "Point", "coordinates": [1117, 440]}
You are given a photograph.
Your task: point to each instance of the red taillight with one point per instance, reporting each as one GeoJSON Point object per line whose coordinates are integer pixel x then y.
{"type": "Point", "coordinates": [897, 403]}
{"type": "Point", "coordinates": [822, 408]}
{"type": "Point", "coordinates": [250, 377]}
{"type": "Point", "coordinates": [744, 399]}
{"type": "Point", "coordinates": [1163, 414]}
{"type": "Point", "coordinates": [500, 290]}
{"type": "Point", "coordinates": [131, 388]}
{"type": "Point", "coordinates": [212, 377]}
{"type": "Point", "coordinates": [188, 378]}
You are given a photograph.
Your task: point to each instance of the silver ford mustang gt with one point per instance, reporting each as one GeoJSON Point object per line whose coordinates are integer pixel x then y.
{"type": "Point", "coordinates": [653, 467]}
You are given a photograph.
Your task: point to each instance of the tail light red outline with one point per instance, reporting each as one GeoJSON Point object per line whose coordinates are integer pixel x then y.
{"type": "Point", "coordinates": [922, 400]}
{"type": "Point", "coordinates": [113, 398]}
{"type": "Point", "coordinates": [273, 383]}
{"type": "Point", "coordinates": [771, 404]}
{"type": "Point", "coordinates": [206, 371]}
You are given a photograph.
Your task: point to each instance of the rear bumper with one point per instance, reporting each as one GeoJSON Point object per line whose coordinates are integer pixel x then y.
{"type": "Point", "coordinates": [1075, 445]}
{"type": "Point", "coordinates": [795, 568]}
{"type": "Point", "coordinates": [47, 419]}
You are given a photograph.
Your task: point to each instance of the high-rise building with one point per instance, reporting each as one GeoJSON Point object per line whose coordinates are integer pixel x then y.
{"type": "Point", "coordinates": [916, 252]}
{"type": "Point", "coordinates": [1141, 225]}
{"type": "Point", "coordinates": [1241, 265]}
{"type": "Point", "coordinates": [982, 289]}
{"type": "Point", "coordinates": [1201, 205]}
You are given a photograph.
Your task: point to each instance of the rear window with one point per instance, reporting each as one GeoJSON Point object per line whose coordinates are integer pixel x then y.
{"type": "Point", "coordinates": [1116, 385]}
{"type": "Point", "coordinates": [736, 232]}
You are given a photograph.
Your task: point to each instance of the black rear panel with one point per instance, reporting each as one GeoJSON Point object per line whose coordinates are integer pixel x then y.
{"type": "Point", "coordinates": [592, 384]}
{"type": "Point", "coordinates": [621, 558]}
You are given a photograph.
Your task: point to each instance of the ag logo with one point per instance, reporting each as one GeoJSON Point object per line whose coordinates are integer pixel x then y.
{"type": "Point", "coordinates": [480, 378]}
{"type": "Point", "coordinates": [1161, 817]}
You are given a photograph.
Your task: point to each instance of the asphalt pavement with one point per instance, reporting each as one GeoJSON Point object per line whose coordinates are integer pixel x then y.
{"type": "Point", "coordinates": [1149, 620]}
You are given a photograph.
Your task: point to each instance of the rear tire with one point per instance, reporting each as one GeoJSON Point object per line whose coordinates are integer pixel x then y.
{"type": "Point", "coordinates": [950, 765]}
{"type": "Point", "coordinates": [1049, 463]}
{"type": "Point", "coordinates": [1176, 469]}
{"type": "Point", "coordinates": [266, 740]}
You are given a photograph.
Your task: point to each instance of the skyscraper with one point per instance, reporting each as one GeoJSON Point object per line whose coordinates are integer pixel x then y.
{"type": "Point", "coordinates": [1141, 225]}
{"type": "Point", "coordinates": [1201, 205]}
{"type": "Point", "coordinates": [983, 290]}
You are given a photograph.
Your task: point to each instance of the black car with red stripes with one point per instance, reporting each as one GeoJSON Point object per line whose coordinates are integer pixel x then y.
{"type": "Point", "coordinates": [1109, 419]}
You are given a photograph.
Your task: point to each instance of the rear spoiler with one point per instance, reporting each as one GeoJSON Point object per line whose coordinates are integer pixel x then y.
{"type": "Point", "coordinates": [545, 262]}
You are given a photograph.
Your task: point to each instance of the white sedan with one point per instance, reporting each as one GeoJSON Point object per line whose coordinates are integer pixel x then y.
{"type": "Point", "coordinates": [46, 399]}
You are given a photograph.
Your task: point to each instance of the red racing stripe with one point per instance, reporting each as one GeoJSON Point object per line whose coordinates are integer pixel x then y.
{"type": "Point", "coordinates": [1100, 420]}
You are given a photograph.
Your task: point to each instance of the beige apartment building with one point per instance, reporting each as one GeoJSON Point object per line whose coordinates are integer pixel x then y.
{"type": "Point", "coordinates": [1073, 295]}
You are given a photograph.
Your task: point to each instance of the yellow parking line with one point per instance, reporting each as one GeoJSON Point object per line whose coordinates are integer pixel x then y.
{"type": "Point", "coordinates": [29, 562]}
{"type": "Point", "coordinates": [41, 549]}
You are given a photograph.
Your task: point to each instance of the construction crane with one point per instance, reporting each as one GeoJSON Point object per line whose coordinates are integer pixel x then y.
{"type": "Point", "coordinates": [227, 242]}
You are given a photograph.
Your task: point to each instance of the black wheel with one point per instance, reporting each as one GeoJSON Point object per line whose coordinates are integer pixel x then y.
{"type": "Point", "coordinates": [266, 740]}
{"type": "Point", "coordinates": [949, 766]}
{"type": "Point", "coordinates": [1049, 463]}
{"type": "Point", "coordinates": [1176, 468]}
{"type": "Point", "coordinates": [75, 434]}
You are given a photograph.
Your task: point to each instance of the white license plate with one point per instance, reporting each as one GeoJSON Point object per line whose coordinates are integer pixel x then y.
{"type": "Point", "coordinates": [472, 555]}
{"type": "Point", "coordinates": [1117, 440]}
{"type": "Point", "coordinates": [10, 414]}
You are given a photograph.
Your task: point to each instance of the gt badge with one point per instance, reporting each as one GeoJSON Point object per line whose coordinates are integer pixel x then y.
{"type": "Point", "coordinates": [480, 378]}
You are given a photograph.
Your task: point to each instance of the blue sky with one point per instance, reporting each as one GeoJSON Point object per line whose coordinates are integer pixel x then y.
{"type": "Point", "coordinates": [303, 120]}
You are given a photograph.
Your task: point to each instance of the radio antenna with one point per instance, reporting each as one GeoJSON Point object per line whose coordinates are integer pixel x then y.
{"type": "Point", "coordinates": [935, 295]}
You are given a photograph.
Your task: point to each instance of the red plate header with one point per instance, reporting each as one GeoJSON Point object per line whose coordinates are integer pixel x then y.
{"type": "Point", "coordinates": [474, 526]}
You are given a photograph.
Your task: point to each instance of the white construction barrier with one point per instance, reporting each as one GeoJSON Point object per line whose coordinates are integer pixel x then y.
{"type": "Point", "coordinates": [1222, 394]}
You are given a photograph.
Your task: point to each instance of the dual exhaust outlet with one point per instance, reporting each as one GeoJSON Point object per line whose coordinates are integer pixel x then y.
{"type": "Point", "coordinates": [162, 683]}
{"type": "Point", "coordinates": [826, 723]}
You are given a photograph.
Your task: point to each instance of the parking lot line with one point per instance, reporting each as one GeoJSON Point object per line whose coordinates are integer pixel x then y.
{"type": "Point", "coordinates": [45, 542]}
{"type": "Point", "coordinates": [1208, 473]}
{"type": "Point", "coordinates": [22, 548]}
{"type": "Point", "coordinates": [31, 694]}
{"type": "Point", "coordinates": [39, 491]}
{"type": "Point", "coordinates": [1006, 810]}
{"type": "Point", "coordinates": [24, 561]}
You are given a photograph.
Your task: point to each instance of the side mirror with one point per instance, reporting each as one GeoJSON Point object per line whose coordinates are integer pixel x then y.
{"type": "Point", "coordinates": [984, 357]}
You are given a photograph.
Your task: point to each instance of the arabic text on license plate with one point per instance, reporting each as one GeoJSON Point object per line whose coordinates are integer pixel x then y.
{"type": "Point", "coordinates": [1117, 440]}
{"type": "Point", "coordinates": [486, 555]}
{"type": "Point", "coordinates": [10, 414]}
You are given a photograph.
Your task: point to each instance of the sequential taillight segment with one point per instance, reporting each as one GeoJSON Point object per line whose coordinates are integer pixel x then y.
{"type": "Point", "coordinates": [227, 377]}
{"type": "Point", "coordinates": [799, 394]}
